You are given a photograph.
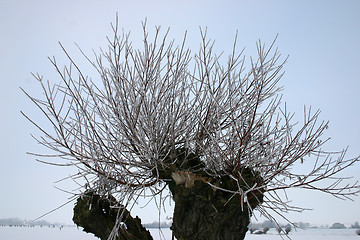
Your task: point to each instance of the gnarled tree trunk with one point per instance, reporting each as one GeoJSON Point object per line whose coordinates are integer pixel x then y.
{"type": "Point", "coordinates": [202, 211]}
{"type": "Point", "coordinates": [206, 213]}
{"type": "Point", "coordinates": [95, 215]}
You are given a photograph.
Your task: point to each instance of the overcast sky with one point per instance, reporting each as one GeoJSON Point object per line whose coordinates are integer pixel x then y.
{"type": "Point", "coordinates": [322, 39]}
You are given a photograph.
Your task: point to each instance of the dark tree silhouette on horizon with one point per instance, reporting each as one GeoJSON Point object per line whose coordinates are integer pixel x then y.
{"type": "Point", "coordinates": [214, 133]}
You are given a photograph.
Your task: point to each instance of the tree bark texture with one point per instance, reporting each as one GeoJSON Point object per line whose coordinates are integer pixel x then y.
{"type": "Point", "coordinates": [205, 213]}
{"type": "Point", "coordinates": [94, 214]}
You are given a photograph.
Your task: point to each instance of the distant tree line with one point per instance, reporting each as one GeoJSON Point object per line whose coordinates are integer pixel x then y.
{"type": "Point", "coordinates": [18, 221]}
{"type": "Point", "coordinates": [337, 226]}
{"type": "Point", "coordinates": [270, 224]}
{"type": "Point", "coordinates": [157, 225]}
{"type": "Point", "coordinates": [342, 226]}
{"type": "Point", "coordinates": [355, 225]}
{"type": "Point", "coordinates": [11, 221]}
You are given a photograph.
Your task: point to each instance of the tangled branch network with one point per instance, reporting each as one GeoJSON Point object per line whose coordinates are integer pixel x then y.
{"type": "Point", "coordinates": [124, 133]}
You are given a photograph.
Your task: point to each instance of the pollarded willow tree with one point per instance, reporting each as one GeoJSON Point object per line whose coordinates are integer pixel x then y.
{"type": "Point", "coordinates": [161, 118]}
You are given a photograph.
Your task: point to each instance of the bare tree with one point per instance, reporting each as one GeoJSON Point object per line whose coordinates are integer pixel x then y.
{"type": "Point", "coordinates": [210, 131]}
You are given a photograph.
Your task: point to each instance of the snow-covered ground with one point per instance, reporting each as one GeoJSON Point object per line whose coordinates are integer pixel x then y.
{"type": "Point", "coordinates": [72, 233]}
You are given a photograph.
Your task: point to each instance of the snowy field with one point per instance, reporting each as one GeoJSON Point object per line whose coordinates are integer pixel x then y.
{"type": "Point", "coordinates": [72, 233]}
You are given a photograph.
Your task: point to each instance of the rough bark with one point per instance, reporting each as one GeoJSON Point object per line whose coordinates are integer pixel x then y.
{"type": "Point", "coordinates": [202, 212]}
{"type": "Point", "coordinates": [94, 214]}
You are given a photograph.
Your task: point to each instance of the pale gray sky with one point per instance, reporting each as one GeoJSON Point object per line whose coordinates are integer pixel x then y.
{"type": "Point", "coordinates": [321, 37]}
